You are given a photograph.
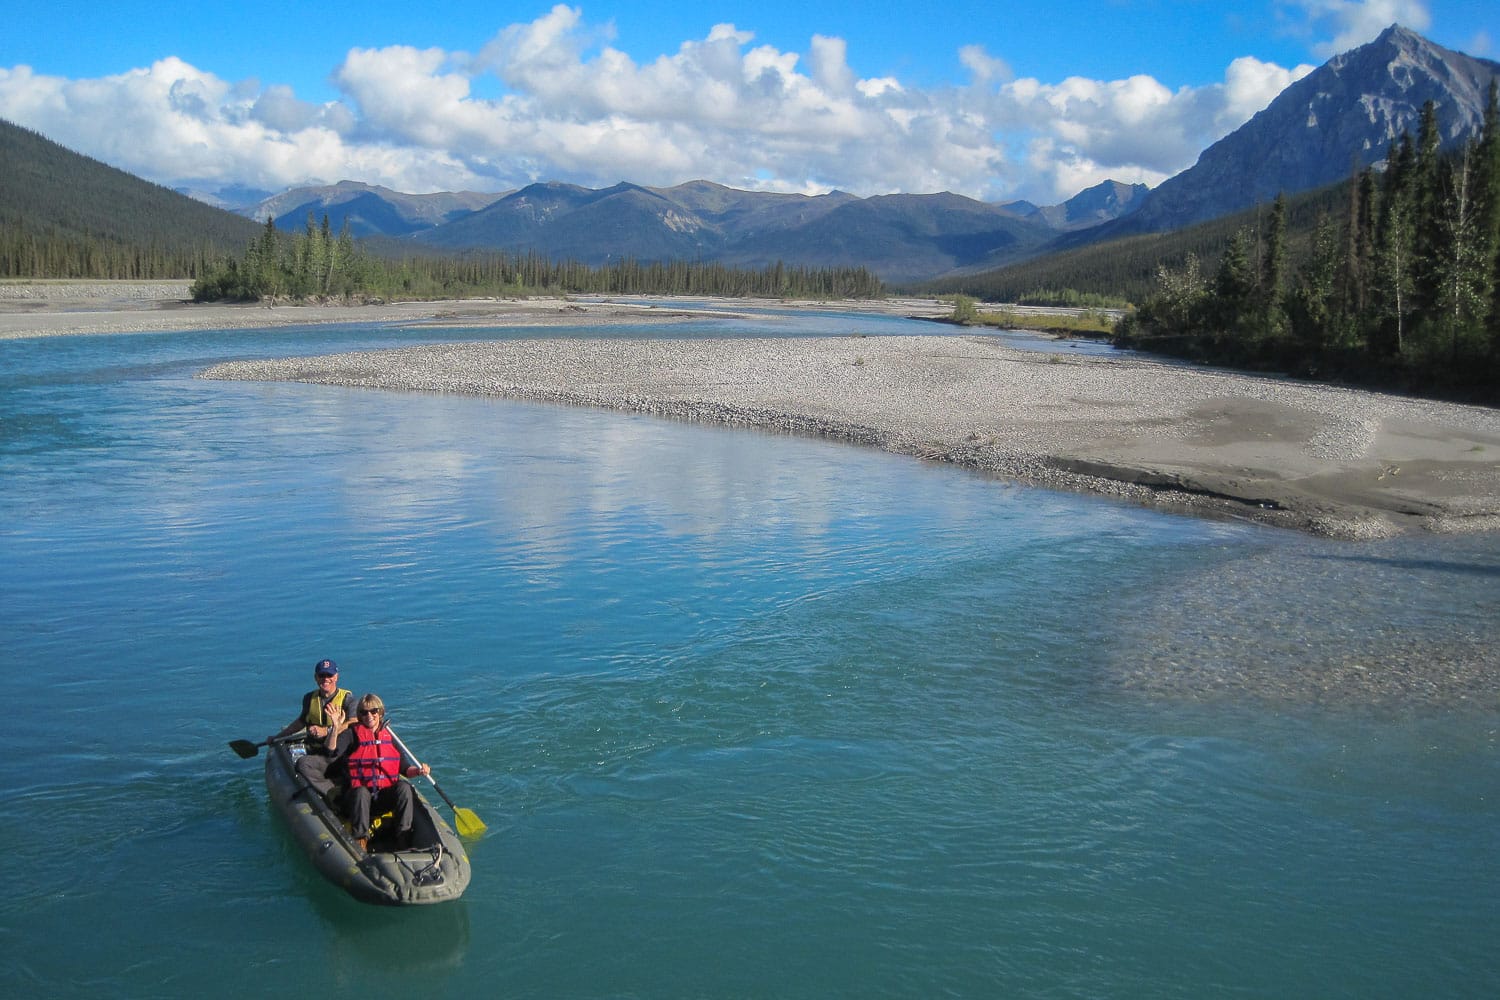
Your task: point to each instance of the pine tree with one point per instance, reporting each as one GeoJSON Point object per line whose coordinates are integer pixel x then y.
{"type": "Point", "coordinates": [1359, 246]}
{"type": "Point", "coordinates": [326, 252]}
{"type": "Point", "coordinates": [1486, 163]}
{"type": "Point", "coordinates": [268, 275]}
{"type": "Point", "coordinates": [1233, 299]}
{"type": "Point", "coordinates": [1273, 271]}
{"type": "Point", "coordinates": [1487, 210]}
{"type": "Point", "coordinates": [1427, 208]}
{"type": "Point", "coordinates": [1460, 268]}
{"type": "Point", "coordinates": [1313, 304]}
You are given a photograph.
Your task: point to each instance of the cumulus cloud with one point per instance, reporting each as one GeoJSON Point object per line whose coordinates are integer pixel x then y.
{"type": "Point", "coordinates": [1135, 130]}
{"type": "Point", "coordinates": [570, 106]}
{"type": "Point", "coordinates": [1354, 22]}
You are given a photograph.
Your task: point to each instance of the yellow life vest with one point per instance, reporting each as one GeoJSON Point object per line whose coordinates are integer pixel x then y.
{"type": "Point", "coordinates": [315, 705]}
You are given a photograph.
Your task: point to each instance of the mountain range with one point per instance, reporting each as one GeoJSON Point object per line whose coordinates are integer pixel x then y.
{"type": "Point", "coordinates": [369, 210]}
{"type": "Point", "coordinates": [900, 237]}
{"type": "Point", "coordinates": [1341, 117]}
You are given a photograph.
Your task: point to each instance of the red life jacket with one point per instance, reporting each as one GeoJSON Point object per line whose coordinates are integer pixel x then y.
{"type": "Point", "coordinates": [375, 763]}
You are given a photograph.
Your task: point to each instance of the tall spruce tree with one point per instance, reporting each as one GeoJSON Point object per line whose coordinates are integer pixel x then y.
{"type": "Point", "coordinates": [1233, 306]}
{"type": "Point", "coordinates": [1487, 166]}
{"type": "Point", "coordinates": [1273, 271]}
{"type": "Point", "coordinates": [1487, 209]}
{"type": "Point", "coordinates": [1313, 304]}
{"type": "Point", "coordinates": [1427, 201]}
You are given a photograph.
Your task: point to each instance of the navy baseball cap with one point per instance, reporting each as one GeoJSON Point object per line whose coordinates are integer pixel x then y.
{"type": "Point", "coordinates": [326, 668]}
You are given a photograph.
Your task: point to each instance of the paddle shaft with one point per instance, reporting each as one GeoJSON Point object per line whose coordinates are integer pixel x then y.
{"type": "Point", "coordinates": [418, 763]}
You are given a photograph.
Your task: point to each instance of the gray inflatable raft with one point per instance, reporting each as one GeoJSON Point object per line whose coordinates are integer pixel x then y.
{"type": "Point", "coordinates": [434, 869]}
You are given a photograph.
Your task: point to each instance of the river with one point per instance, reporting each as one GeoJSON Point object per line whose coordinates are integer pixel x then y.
{"type": "Point", "coordinates": [746, 715]}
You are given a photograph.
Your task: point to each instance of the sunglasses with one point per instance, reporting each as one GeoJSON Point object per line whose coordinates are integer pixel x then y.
{"type": "Point", "coordinates": [370, 711]}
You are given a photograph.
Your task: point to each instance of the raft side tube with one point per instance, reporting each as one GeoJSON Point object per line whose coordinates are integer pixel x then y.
{"type": "Point", "coordinates": [434, 870]}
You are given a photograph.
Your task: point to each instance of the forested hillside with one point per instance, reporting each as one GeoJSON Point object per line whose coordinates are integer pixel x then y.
{"type": "Point", "coordinates": [1391, 278]}
{"type": "Point", "coordinates": [1126, 269]}
{"type": "Point", "coordinates": [63, 215]}
{"type": "Point", "coordinates": [1404, 290]}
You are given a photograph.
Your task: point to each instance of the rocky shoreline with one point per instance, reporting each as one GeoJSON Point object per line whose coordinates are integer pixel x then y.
{"type": "Point", "coordinates": [1332, 461]}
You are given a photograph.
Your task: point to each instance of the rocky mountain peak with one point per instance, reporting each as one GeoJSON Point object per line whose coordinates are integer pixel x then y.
{"type": "Point", "coordinates": [1345, 113]}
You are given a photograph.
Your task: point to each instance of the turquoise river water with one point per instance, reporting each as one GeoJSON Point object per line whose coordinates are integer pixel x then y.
{"type": "Point", "coordinates": [747, 715]}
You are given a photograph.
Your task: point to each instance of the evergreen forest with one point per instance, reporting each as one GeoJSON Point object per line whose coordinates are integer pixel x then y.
{"type": "Point", "coordinates": [1401, 289]}
{"type": "Point", "coordinates": [315, 264]}
{"type": "Point", "coordinates": [63, 215]}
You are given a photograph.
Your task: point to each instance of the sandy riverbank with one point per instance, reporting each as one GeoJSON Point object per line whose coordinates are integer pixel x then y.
{"type": "Point", "coordinates": [1333, 461]}
{"type": "Point", "coordinates": [1329, 460]}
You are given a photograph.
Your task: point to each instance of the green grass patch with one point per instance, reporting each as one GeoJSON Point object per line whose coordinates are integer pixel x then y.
{"type": "Point", "coordinates": [1085, 324]}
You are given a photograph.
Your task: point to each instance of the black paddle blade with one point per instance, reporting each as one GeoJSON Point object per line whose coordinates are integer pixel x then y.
{"type": "Point", "coordinates": [244, 748]}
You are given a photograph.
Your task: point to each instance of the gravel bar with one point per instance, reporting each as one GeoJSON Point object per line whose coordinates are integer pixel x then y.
{"type": "Point", "coordinates": [1332, 461]}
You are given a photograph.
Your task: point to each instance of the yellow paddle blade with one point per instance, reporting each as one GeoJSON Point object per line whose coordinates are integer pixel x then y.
{"type": "Point", "coordinates": [468, 824]}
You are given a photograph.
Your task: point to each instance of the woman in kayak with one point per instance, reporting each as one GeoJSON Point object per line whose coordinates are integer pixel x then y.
{"type": "Point", "coordinates": [372, 762]}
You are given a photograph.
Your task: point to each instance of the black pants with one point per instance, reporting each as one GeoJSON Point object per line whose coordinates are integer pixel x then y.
{"type": "Point", "coordinates": [314, 768]}
{"type": "Point", "coordinates": [398, 798]}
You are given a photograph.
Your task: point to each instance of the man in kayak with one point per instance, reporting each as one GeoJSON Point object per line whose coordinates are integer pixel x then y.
{"type": "Point", "coordinates": [316, 705]}
{"type": "Point", "coordinates": [372, 761]}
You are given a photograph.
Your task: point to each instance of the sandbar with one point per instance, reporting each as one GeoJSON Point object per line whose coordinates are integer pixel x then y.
{"type": "Point", "coordinates": [1333, 461]}
{"type": "Point", "coordinates": [1330, 460]}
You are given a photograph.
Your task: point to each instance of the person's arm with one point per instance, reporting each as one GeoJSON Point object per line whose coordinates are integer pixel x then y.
{"type": "Point", "coordinates": [320, 732]}
{"type": "Point", "coordinates": [410, 767]}
{"type": "Point", "coordinates": [347, 707]}
{"type": "Point", "coordinates": [339, 722]}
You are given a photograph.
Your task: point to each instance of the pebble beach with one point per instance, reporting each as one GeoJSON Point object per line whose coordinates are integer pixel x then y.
{"type": "Point", "coordinates": [1332, 461]}
{"type": "Point", "coordinates": [1329, 460]}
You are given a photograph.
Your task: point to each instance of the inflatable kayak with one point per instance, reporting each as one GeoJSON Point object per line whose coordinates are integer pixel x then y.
{"type": "Point", "coordinates": [434, 869]}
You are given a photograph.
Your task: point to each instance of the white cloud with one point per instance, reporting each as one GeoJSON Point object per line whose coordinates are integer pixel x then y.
{"type": "Point", "coordinates": [1250, 85]}
{"type": "Point", "coordinates": [1134, 130]}
{"type": "Point", "coordinates": [571, 107]}
{"type": "Point", "coordinates": [1355, 22]}
{"type": "Point", "coordinates": [278, 108]}
{"type": "Point", "coordinates": [984, 67]}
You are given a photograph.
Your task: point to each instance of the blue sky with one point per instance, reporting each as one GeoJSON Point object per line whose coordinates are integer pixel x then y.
{"type": "Point", "coordinates": [996, 100]}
